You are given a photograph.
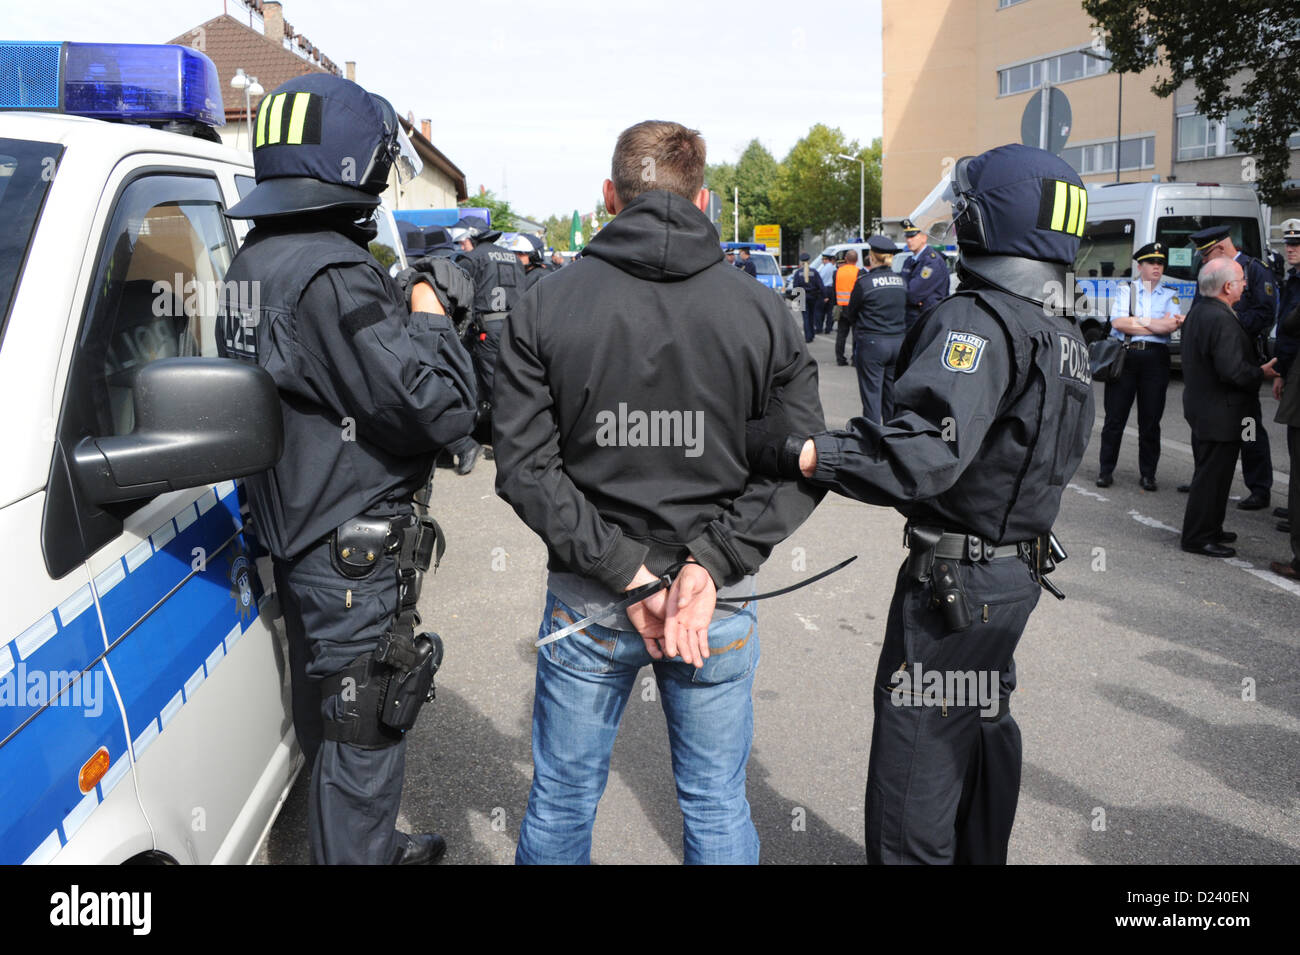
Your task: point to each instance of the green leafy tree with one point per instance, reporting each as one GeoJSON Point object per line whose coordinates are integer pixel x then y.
{"type": "Point", "coordinates": [755, 173]}
{"type": "Point", "coordinates": [557, 231]}
{"type": "Point", "coordinates": [1213, 44]}
{"type": "Point", "coordinates": [503, 217]}
{"type": "Point", "coordinates": [818, 191]}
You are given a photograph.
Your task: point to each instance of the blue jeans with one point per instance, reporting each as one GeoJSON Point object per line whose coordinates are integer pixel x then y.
{"type": "Point", "coordinates": [583, 685]}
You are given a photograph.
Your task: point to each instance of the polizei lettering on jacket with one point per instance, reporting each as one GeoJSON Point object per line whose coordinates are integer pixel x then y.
{"type": "Point", "coordinates": [651, 429]}
{"type": "Point", "coordinates": [887, 281]}
{"type": "Point", "coordinates": [1074, 359]}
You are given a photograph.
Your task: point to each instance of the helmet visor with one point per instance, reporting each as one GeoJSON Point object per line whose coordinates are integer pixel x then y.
{"type": "Point", "coordinates": [406, 163]}
{"type": "Point", "coordinates": [934, 214]}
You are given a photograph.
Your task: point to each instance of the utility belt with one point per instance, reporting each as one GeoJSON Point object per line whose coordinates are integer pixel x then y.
{"type": "Point", "coordinates": [934, 552]}
{"type": "Point", "coordinates": [382, 690]}
{"type": "Point", "coordinates": [1144, 346]}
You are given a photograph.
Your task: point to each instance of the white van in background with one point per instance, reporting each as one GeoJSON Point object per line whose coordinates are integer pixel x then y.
{"type": "Point", "coordinates": [1123, 217]}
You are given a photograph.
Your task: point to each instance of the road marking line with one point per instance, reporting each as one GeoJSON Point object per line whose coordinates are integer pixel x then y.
{"type": "Point", "coordinates": [1290, 586]}
{"type": "Point", "coordinates": [1086, 493]}
{"type": "Point", "coordinates": [1152, 522]}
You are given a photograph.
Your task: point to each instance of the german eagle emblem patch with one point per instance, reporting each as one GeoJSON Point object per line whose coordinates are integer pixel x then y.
{"type": "Point", "coordinates": [926, 272]}
{"type": "Point", "coordinates": [962, 352]}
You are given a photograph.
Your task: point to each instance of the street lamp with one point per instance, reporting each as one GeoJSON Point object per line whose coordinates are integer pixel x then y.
{"type": "Point", "coordinates": [1119, 108]}
{"type": "Point", "coordinates": [251, 88]}
{"type": "Point", "coordinates": [862, 194]}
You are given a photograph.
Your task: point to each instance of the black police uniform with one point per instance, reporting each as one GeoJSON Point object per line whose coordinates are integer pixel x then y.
{"type": "Point", "coordinates": [1257, 313]}
{"type": "Point", "coordinates": [498, 283]}
{"type": "Point", "coordinates": [368, 393]}
{"type": "Point", "coordinates": [993, 411]}
{"type": "Point", "coordinates": [748, 266]}
{"type": "Point", "coordinates": [812, 296]}
{"type": "Point", "coordinates": [926, 275]}
{"type": "Point", "coordinates": [877, 310]}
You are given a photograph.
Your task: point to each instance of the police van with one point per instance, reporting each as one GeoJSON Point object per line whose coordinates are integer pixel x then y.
{"type": "Point", "coordinates": [1123, 217]}
{"type": "Point", "coordinates": [144, 699]}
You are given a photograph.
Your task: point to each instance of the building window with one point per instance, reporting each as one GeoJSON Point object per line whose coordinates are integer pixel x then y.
{"type": "Point", "coordinates": [1003, 4]}
{"type": "Point", "coordinates": [1062, 68]}
{"type": "Point", "coordinates": [1093, 158]}
{"type": "Point", "coordinates": [1202, 138]}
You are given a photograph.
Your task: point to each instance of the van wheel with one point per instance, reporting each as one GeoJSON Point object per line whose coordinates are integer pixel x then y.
{"type": "Point", "coordinates": [152, 857]}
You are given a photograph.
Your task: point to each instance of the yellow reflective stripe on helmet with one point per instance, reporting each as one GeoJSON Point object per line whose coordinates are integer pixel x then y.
{"type": "Point", "coordinates": [1059, 203]}
{"type": "Point", "coordinates": [1073, 222]}
{"type": "Point", "coordinates": [1083, 210]}
{"type": "Point", "coordinates": [261, 120]}
{"type": "Point", "coordinates": [277, 114]}
{"type": "Point", "coordinates": [297, 118]}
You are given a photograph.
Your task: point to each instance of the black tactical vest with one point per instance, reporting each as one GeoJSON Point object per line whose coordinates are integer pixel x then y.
{"type": "Point", "coordinates": [1012, 490]}
{"type": "Point", "coordinates": [329, 472]}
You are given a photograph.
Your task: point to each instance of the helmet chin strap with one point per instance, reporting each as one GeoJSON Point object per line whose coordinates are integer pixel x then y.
{"type": "Point", "coordinates": [1030, 279]}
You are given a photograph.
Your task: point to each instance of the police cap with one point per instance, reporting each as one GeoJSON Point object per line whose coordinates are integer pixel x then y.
{"type": "Point", "coordinates": [1152, 252]}
{"type": "Point", "coordinates": [321, 142]}
{"type": "Point", "coordinates": [910, 228]}
{"type": "Point", "coordinates": [881, 245]}
{"type": "Point", "coordinates": [1291, 231]}
{"type": "Point", "coordinates": [1019, 201]}
{"type": "Point", "coordinates": [804, 256]}
{"type": "Point", "coordinates": [1212, 236]}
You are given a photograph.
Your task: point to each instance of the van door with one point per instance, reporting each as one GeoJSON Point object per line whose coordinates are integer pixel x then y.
{"type": "Point", "coordinates": [64, 765]}
{"type": "Point", "coordinates": [201, 676]}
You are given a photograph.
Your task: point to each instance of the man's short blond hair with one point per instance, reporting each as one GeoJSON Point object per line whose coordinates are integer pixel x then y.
{"type": "Point", "coordinates": [657, 154]}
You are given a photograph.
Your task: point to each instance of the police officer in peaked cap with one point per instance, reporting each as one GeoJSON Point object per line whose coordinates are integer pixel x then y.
{"type": "Point", "coordinates": [371, 384]}
{"type": "Point", "coordinates": [925, 272]}
{"type": "Point", "coordinates": [993, 409]}
{"type": "Point", "coordinates": [877, 313]}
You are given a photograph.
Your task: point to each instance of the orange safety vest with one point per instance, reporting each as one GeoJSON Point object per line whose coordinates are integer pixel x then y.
{"type": "Point", "coordinates": [846, 276]}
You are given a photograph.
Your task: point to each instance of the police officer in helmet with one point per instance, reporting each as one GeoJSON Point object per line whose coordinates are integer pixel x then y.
{"type": "Point", "coordinates": [370, 390]}
{"type": "Point", "coordinates": [993, 409]}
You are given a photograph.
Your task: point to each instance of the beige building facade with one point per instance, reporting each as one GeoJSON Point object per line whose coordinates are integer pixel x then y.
{"type": "Point", "coordinates": [959, 75]}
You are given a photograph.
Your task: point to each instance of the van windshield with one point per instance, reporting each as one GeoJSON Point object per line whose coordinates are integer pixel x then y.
{"type": "Point", "coordinates": [1173, 231]}
{"type": "Point", "coordinates": [26, 171]}
{"type": "Point", "coordinates": [765, 265]}
{"type": "Point", "coordinates": [1106, 250]}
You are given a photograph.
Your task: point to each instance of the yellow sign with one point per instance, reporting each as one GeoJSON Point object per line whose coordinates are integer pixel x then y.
{"type": "Point", "coordinates": [770, 236]}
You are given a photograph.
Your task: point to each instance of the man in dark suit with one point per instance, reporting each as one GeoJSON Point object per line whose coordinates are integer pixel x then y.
{"type": "Point", "coordinates": [1220, 388]}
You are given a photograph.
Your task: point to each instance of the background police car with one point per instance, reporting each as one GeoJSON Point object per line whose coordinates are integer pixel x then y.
{"type": "Point", "coordinates": [157, 599]}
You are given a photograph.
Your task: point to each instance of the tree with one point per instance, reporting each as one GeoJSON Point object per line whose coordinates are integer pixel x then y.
{"type": "Point", "coordinates": [818, 191]}
{"type": "Point", "coordinates": [1213, 43]}
{"type": "Point", "coordinates": [755, 173]}
{"type": "Point", "coordinates": [503, 217]}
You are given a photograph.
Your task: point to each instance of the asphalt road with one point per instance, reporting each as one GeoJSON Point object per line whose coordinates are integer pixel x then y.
{"type": "Point", "coordinates": [1138, 744]}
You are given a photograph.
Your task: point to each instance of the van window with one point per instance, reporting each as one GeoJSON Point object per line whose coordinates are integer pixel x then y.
{"type": "Point", "coordinates": [1173, 231]}
{"type": "Point", "coordinates": [1106, 250]}
{"type": "Point", "coordinates": [765, 264]}
{"type": "Point", "coordinates": [26, 171]}
{"type": "Point", "coordinates": [154, 296]}
{"type": "Point", "coordinates": [386, 243]}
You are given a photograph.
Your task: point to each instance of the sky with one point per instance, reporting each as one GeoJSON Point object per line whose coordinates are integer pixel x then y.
{"type": "Point", "coordinates": [528, 99]}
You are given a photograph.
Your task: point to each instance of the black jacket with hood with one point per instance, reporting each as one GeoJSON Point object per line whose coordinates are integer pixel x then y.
{"type": "Point", "coordinates": [623, 388]}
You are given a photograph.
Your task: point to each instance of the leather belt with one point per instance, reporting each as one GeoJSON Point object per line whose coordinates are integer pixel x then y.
{"type": "Point", "coordinates": [969, 547]}
{"type": "Point", "coordinates": [1143, 346]}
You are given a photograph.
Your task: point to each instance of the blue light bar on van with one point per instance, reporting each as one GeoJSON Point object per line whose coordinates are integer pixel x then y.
{"type": "Point", "coordinates": [135, 82]}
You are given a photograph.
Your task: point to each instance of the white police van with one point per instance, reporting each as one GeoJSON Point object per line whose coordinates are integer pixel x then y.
{"type": "Point", "coordinates": [144, 700]}
{"type": "Point", "coordinates": [1123, 217]}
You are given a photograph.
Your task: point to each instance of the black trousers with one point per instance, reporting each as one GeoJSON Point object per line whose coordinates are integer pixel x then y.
{"type": "Point", "coordinates": [1256, 459]}
{"type": "Point", "coordinates": [1214, 464]}
{"type": "Point", "coordinates": [842, 329]}
{"type": "Point", "coordinates": [355, 792]}
{"type": "Point", "coordinates": [944, 779]}
{"type": "Point", "coordinates": [1146, 378]}
{"type": "Point", "coordinates": [1293, 493]}
{"type": "Point", "coordinates": [875, 357]}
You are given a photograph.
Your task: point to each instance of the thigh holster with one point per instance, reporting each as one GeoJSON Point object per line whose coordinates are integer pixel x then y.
{"type": "Point", "coordinates": [381, 691]}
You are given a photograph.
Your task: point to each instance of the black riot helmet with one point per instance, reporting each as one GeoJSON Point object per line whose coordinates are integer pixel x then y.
{"type": "Point", "coordinates": [1019, 213]}
{"type": "Point", "coordinates": [322, 142]}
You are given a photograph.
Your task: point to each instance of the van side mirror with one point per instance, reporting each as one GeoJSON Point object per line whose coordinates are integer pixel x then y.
{"type": "Point", "coordinates": [197, 421]}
